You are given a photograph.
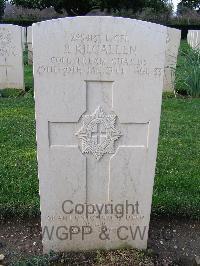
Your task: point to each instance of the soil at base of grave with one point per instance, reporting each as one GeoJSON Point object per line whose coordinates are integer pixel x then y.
{"type": "Point", "coordinates": [171, 242]}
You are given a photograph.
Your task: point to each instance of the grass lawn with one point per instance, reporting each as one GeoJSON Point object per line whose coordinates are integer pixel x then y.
{"type": "Point", "coordinates": [177, 184]}
{"type": "Point", "coordinates": [18, 167]}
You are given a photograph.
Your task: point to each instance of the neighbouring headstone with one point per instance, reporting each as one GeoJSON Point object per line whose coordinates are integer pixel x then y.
{"type": "Point", "coordinates": [193, 38]}
{"type": "Point", "coordinates": [23, 38]}
{"type": "Point", "coordinates": [11, 57]}
{"type": "Point", "coordinates": [98, 92]}
{"type": "Point", "coordinates": [29, 44]}
{"type": "Point", "coordinates": [172, 48]}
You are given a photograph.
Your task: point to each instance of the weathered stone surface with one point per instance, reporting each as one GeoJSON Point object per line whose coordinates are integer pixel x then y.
{"type": "Point", "coordinates": [98, 92]}
{"type": "Point", "coordinates": [23, 38]}
{"type": "Point", "coordinates": [11, 57]}
{"type": "Point", "coordinates": [193, 38]}
{"type": "Point", "coordinates": [30, 45]}
{"type": "Point", "coordinates": [173, 43]}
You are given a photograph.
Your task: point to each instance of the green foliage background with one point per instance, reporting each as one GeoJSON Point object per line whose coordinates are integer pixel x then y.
{"type": "Point", "coordinates": [2, 6]}
{"type": "Point", "coordinates": [82, 7]}
{"type": "Point", "coordinates": [188, 71]}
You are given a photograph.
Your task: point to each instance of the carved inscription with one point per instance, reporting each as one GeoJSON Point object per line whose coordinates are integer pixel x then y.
{"type": "Point", "coordinates": [7, 48]}
{"type": "Point", "coordinates": [97, 54]}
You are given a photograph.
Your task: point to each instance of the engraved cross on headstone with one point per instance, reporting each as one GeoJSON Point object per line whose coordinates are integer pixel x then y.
{"type": "Point", "coordinates": [98, 134]}
{"type": "Point", "coordinates": [111, 137]}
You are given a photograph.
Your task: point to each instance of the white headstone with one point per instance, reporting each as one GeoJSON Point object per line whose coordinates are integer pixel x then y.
{"type": "Point", "coordinates": [173, 43]}
{"type": "Point", "coordinates": [23, 38]}
{"type": "Point", "coordinates": [29, 44]}
{"type": "Point", "coordinates": [98, 93]}
{"type": "Point", "coordinates": [189, 37]}
{"type": "Point", "coordinates": [193, 38]}
{"type": "Point", "coordinates": [11, 57]}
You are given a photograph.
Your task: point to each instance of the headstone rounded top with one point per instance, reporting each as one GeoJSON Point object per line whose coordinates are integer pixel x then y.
{"type": "Point", "coordinates": [109, 19]}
